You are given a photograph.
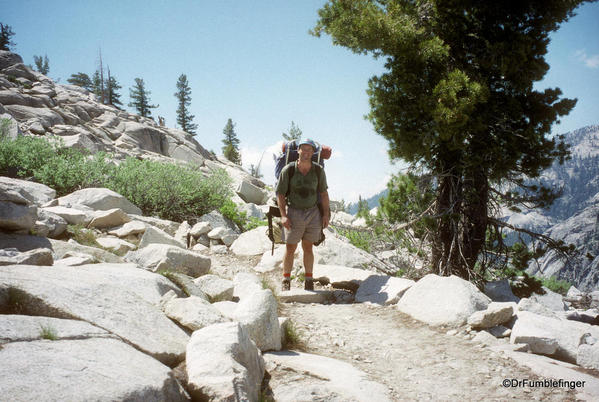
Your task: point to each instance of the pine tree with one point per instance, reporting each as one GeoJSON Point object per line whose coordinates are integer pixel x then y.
{"type": "Point", "coordinates": [81, 80]}
{"type": "Point", "coordinates": [363, 210]}
{"type": "Point", "coordinates": [140, 98]}
{"type": "Point", "coordinates": [112, 86]}
{"type": "Point", "coordinates": [183, 95]}
{"type": "Point", "coordinates": [457, 99]}
{"type": "Point", "coordinates": [42, 65]}
{"type": "Point", "coordinates": [231, 147]}
{"type": "Point", "coordinates": [294, 133]}
{"type": "Point", "coordinates": [6, 34]}
{"type": "Point", "coordinates": [97, 85]}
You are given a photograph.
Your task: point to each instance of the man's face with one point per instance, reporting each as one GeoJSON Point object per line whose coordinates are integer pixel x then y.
{"type": "Point", "coordinates": [305, 152]}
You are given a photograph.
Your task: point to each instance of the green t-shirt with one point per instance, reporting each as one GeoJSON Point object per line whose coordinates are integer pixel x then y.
{"type": "Point", "coordinates": [303, 193]}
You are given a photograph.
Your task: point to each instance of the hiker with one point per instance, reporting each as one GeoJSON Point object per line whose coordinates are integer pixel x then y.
{"type": "Point", "coordinates": [300, 210]}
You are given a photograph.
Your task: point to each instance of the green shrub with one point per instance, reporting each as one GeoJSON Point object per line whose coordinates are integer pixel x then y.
{"type": "Point", "coordinates": [73, 170]}
{"type": "Point", "coordinates": [47, 332]}
{"type": "Point", "coordinates": [50, 163]}
{"type": "Point", "coordinates": [82, 235]}
{"type": "Point", "coordinates": [292, 337]}
{"type": "Point", "coordinates": [556, 285]}
{"type": "Point", "coordinates": [22, 156]}
{"type": "Point", "coordinates": [170, 191]}
{"type": "Point", "coordinates": [4, 126]}
{"type": "Point", "coordinates": [12, 79]}
{"type": "Point", "coordinates": [253, 223]}
{"type": "Point", "coordinates": [358, 238]}
{"type": "Point", "coordinates": [229, 210]}
{"type": "Point", "coordinates": [167, 190]}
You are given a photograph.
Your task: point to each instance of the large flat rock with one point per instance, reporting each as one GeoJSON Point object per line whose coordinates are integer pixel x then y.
{"type": "Point", "coordinates": [252, 242]}
{"type": "Point", "coordinates": [119, 298]}
{"type": "Point", "coordinates": [101, 199]}
{"type": "Point", "coordinates": [63, 249]}
{"type": "Point", "coordinates": [323, 379]}
{"type": "Point", "coordinates": [586, 385]}
{"type": "Point", "coordinates": [336, 250]}
{"type": "Point", "coordinates": [158, 257]}
{"type": "Point", "coordinates": [551, 336]}
{"type": "Point", "coordinates": [95, 369]}
{"type": "Point", "coordinates": [36, 193]}
{"type": "Point", "coordinates": [18, 328]}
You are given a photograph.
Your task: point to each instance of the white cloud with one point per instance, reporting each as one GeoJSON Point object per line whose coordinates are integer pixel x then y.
{"type": "Point", "coordinates": [593, 61]}
{"type": "Point", "coordinates": [589, 61]}
{"type": "Point", "coordinates": [264, 156]}
{"type": "Point", "coordinates": [350, 189]}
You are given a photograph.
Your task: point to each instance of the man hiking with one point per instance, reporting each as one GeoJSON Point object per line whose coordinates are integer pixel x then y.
{"type": "Point", "coordinates": [298, 189]}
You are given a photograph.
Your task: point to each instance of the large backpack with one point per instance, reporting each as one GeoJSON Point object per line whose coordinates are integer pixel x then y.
{"type": "Point", "coordinates": [289, 154]}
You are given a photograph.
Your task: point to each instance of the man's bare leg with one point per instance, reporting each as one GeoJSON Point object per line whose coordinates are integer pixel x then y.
{"type": "Point", "coordinates": [308, 264]}
{"type": "Point", "coordinates": [288, 264]}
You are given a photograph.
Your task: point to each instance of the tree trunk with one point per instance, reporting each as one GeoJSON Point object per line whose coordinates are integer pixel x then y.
{"type": "Point", "coordinates": [475, 219]}
{"type": "Point", "coordinates": [446, 246]}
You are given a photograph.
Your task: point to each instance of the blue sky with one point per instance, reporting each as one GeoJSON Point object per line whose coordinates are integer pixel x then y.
{"type": "Point", "coordinates": [254, 62]}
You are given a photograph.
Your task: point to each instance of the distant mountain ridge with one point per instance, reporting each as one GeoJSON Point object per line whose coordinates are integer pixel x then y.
{"type": "Point", "coordinates": [372, 202]}
{"type": "Point", "coordinates": [574, 216]}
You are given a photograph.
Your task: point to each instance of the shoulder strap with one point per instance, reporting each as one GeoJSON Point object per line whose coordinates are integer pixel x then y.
{"type": "Point", "coordinates": [288, 146]}
{"type": "Point", "coordinates": [317, 169]}
{"type": "Point", "coordinates": [290, 174]}
{"type": "Point", "coordinates": [318, 157]}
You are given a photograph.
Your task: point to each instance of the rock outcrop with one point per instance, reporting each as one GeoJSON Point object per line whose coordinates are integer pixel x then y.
{"type": "Point", "coordinates": [442, 300]}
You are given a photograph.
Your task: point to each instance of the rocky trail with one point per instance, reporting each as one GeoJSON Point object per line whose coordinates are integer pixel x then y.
{"type": "Point", "coordinates": [414, 361]}
{"type": "Point", "coordinates": [411, 360]}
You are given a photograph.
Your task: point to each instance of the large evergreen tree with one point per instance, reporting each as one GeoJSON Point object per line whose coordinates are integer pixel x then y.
{"type": "Point", "coordinates": [140, 98]}
{"type": "Point", "coordinates": [231, 143]}
{"type": "Point", "coordinates": [81, 80]}
{"type": "Point", "coordinates": [183, 95]}
{"type": "Point", "coordinates": [457, 99]}
{"type": "Point", "coordinates": [42, 65]}
{"type": "Point", "coordinates": [294, 133]}
{"type": "Point", "coordinates": [6, 34]}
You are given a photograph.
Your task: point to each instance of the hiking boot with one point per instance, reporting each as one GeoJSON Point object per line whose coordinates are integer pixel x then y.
{"type": "Point", "coordinates": [286, 284]}
{"type": "Point", "coordinates": [309, 284]}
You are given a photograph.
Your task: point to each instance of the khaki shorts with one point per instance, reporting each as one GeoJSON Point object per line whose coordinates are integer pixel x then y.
{"type": "Point", "coordinates": [305, 225]}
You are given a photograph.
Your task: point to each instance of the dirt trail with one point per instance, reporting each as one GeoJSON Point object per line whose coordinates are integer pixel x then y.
{"type": "Point", "coordinates": [414, 361]}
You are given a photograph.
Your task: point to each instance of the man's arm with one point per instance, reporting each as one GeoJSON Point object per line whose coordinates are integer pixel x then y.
{"type": "Point", "coordinates": [282, 203]}
{"type": "Point", "coordinates": [324, 198]}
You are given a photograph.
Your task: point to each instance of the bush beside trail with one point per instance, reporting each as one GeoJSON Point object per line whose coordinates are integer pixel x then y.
{"type": "Point", "coordinates": [165, 190]}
